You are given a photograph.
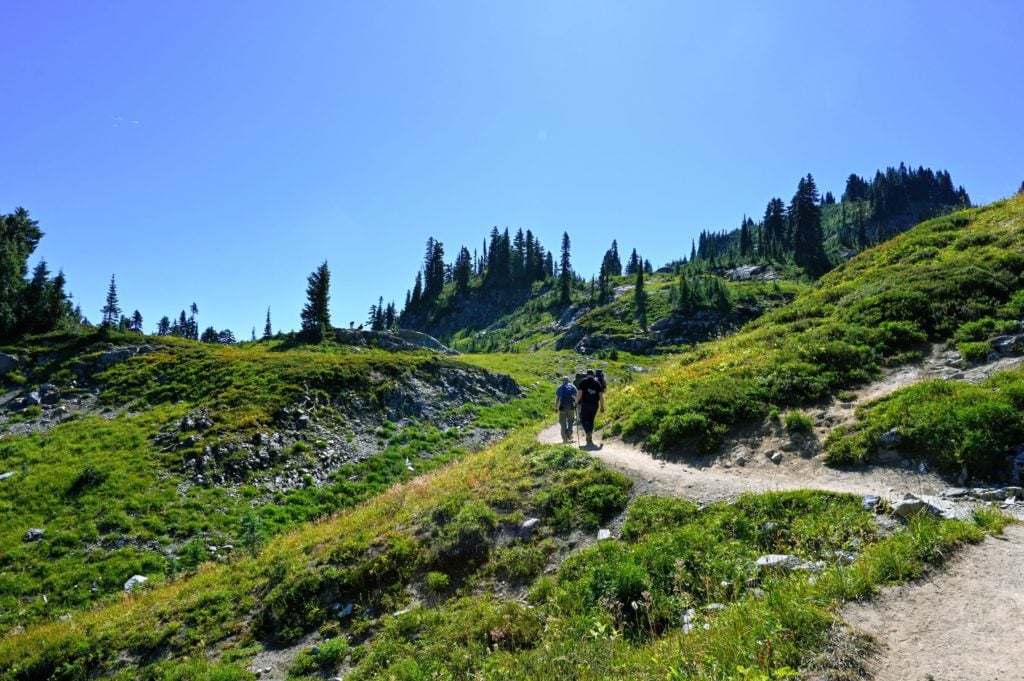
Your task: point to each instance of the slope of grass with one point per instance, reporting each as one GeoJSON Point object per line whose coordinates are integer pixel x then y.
{"type": "Point", "coordinates": [876, 309]}
{"type": "Point", "coordinates": [115, 502]}
{"type": "Point", "coordinates": [951, 425]}
{"type": "Point", "coordinates": [613, 609]}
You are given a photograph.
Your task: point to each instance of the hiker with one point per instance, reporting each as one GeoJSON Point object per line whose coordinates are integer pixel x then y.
{"type": "Point", "coordinates": [601, 379]}
{"type": "Point", "coordinates": [565, 405]}
{"type": "Point", "coordinates": [589, 399]}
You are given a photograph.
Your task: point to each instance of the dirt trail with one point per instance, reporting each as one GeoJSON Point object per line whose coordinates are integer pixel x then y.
{"type": "Point", "coordinates": [963, 622]}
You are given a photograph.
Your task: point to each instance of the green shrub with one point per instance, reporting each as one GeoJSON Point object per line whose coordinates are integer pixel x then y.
{"type": "Point", "coordinates": [798, 422]}
{"type": "Point", "coordinates": [437, 581]}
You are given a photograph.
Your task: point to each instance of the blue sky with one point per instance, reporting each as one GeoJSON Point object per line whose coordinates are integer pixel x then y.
{"type": "Point", "coordinates": [218, 152]}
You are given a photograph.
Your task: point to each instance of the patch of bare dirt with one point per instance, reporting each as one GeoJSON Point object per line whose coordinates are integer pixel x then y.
{"type": "Point", "coordinates": [962, 622]}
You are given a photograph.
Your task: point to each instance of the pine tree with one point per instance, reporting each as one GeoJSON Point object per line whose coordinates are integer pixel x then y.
{"type": "Point", "coordinates": [746, 243]}
{"type": "Point", "coordinates": [634, 263]}
{"type": "Point", "coordinates": [565, 269]}
{"type": "Point", "coordinates": [640, 298]}
{"type": "Point", "coordinates": [209, 336]}
{"type": "Point", "coordinates": [268, 331]}
{"type": "Point", "coordinates": [136, 322]}
{"type": "Point", "coordinates": [163, 327]}
{"type": "Point", "coordinates": [111, 310]}
{"type": "Point", "coordinates": [463, 271]}
{"type": "Point", "coordinates": [316, 316]}
{"type": "Point", "coordinates": [805, 219]}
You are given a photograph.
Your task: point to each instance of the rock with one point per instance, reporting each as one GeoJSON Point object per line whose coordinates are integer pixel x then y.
{"type": "Point", "coordinates": [4, 476]}
{"type": "Point", "coordinates": [35, 534]}
{"type": "Point", "coordinates": [870, 502]}
{"type": "Point", "coordinates": [778, 562]}
{"type": "Point", "coordinates": [302, 420]}
{"type": "Point", "coordinates": [8, 363]}
{"type": "Point", "coordinates": [66, 617]}
{"type": "Point", "coordinates": [990, 494]}
{"type": "Point", "coordinates": [741, 461]}
{"type": "Point", "coordinates": [890, 438]}
{"type": "Point", "coordinates": [32, 399]}
{"type": "Point", "coordinates": [346, 611]}
{"type": "Point", "coordinates": [526, 529]}
{"type": "Point", "coordinates": [134, 581]}
{"type": "Point", "coordinates": [1008, 345]}
{"type": "Point", "coordinates": [911, 506]}
{"type": "Point", "coordinates": [687, 619]}
{"type": "Point", "coordinates": [1011, 491]}
{"type": "Point", "coordinates": [49, 394]}
{"type": "Point", "coordinates": [776, 457]}
{"type": "Point", "coordinates": [954, 493]}
{"type": "Point", "coordinates": [604, 534]}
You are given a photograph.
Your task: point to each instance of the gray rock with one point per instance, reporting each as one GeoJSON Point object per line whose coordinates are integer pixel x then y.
{"type": "Point", "coordinates": [134, 581]}
{"type": "Point", "coordinates": [32, 399]}
{"type": "Point", "coordinates": [527, 528]}
{"type": "Point", "coordinates": [891, 438]}
{"type": "Point", "coordinates": [741, 461]}
{"type": "Point", "coordinates": [990, 494]}
{"type": "Point", "coordinates": [1008, 345]}
{"type": "Point", "coordinates": [4, 476]}
{"type": "Point", "coordinates": [8, 363]}
{"type": "Point", "coordinates": [911, 506]}
{"type": "Point", "coordinates": [776, 457]}
{"type": "Point", "coordinates": [35, 534]}
{"type": "Point", "coordinates": [778, 562]}
{"type": "Point", "coordinates": [870, 502]}
{"type": "Point", "coordinates": [955, 493]}
{"type": "Point", "coordinates": [604, 534]}
{"type": "Point", "coordinates": [66, 617]}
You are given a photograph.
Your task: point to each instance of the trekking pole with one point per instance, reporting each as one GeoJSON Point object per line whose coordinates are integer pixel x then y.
{"type": "Point", "coordinates": [577, 412]}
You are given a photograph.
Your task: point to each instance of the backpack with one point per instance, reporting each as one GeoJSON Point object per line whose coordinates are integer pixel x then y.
{"type": "Point", "coordinates": [566, 396]}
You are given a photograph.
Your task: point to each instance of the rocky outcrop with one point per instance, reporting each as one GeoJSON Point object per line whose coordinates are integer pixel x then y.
{"type": "Point", "coordinates": [672, 330]}
{"type": "Point", "coordinates": [86, 368]}
{"type": "Point", "coordinates": [394, 341]}
{"type": "Point", "coordinates": [8, 363]}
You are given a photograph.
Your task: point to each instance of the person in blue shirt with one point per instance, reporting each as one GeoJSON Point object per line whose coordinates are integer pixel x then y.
{"type": "Point", "coordinates": [565, 405]}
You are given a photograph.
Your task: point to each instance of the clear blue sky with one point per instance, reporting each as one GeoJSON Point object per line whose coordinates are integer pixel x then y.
{"type": "Point", "coordinates": [217, 152]}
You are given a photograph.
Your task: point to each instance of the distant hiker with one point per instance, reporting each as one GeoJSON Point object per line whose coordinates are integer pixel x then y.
{"type": "Point", "coordinates": [589, 399]}
{"type": "Point", "coordinates": [600, 379]}
{"type": "Point", "coordinates": [565, 405]}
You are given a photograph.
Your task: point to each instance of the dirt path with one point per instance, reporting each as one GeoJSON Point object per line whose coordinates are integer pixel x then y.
{"type": "Point", "coordinates": [963, 622]}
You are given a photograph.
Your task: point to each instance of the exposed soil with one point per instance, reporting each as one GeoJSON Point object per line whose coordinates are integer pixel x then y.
{"type": "Point", "coordinates": [962, 622]}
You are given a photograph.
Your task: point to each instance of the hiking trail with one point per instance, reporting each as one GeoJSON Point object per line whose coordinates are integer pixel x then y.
{"type": "Point", "coordinates": [959, 622]}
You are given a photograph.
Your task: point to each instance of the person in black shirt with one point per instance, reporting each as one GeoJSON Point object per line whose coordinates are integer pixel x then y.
{"type": "Point", "coordinates": [590, 398]}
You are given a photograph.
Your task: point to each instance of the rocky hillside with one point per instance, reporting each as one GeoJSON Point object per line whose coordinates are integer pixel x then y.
{"type": "Point", "coordinates": [116, 452]}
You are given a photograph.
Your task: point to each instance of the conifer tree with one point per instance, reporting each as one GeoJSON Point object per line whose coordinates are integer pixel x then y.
{"type": "Point", "coordinates": [565, 272]}
{"type": "Point", "coordinates": [634, 263]}
{"type": "Point", "coordinates": [462, 271]}
{"type": "Point", "coordinates": [746, 243]}
{"type": "Point", "coordinates": [111, 310]}
{"type": "Point", "coordinates": [640, 298]}
{"type": "Point", "coordinates": [268, 331]}
{"type": "Point", "coordinates": [209, 336]}
{"type": "Point", "coordinates": [316, 316]}
{"type": "Point", "coordinates": [163, 327]}
{"type": "Point", "coordinates": [805, 219]}
{"type": "Point", "coordinates": [136, 322]}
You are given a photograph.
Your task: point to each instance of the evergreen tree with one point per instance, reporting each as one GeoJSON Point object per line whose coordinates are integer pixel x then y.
{"type": "Point", "coordinates": [209, 336]}
{"type": "Point", "coordinates": [746, 243]}
{"type": "Point", "coordinates": [565, 275]}
{"type": "Point", "coordinates": [226, 337]}
{"type": "Point", "coordinates": [433, 270]}
{"type": "Point", "coordinates": [774, 226]}
{"type": "Point", "coordinates": [268, 330]}
{"type": "Point", "coordinates": [163, 327]}
{"type": "Point", "coordinates": [612, 263]}
{"type": "Point", "coordinates": [648, 267]}
{"type": "Point", "coordinates": [417, 292]}
{"type": "Point", "coordinates": [805, 219]}
{"type": "Point", "coordinates": [19, 236]}
{"type": "Point", "coordinates": [111, 310]}
{"type": "Point", "coordinates": [316, 316]}
{"type": "Point", "coordinates": [634, 263]}
{"type": "Point", "coordinates": [640, 298]}
{"type": "Point", "coordinates": [463, 271]}
{"type": "Point", "coordinates": [389, 316]}
{"type": "Point", "coordinates": [136, 322]}
{"type": "Point", "coordinates": [549, 265]}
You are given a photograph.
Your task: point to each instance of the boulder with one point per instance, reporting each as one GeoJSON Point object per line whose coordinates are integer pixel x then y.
{"type": "Point", "coordinates": [35, 534]}
{"type": "Point", "coordinates": [4, 476]}
{"type": "Point", "coordinates": [1008, 345]}
{"type": "Point", "coordinates": [134, 581]}
{"type": "Point", "coordinates": [32, 399]}
{"type": "Point", "coordinates": [603, 535]}
{"type": "Point", "coordinates": [870, 502]}
{"type": "Point", "coordinates": [911, 505]}
{"type": "Point", "coordinates": [8, 363]}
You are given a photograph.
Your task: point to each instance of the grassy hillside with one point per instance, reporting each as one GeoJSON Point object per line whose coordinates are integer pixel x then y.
{"type": "Point", "coordinates": [959, 278]}
{"type": "Point", "coordinates": [444, 554]}
{"type": "Point", "coordinates": [193, 451]}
